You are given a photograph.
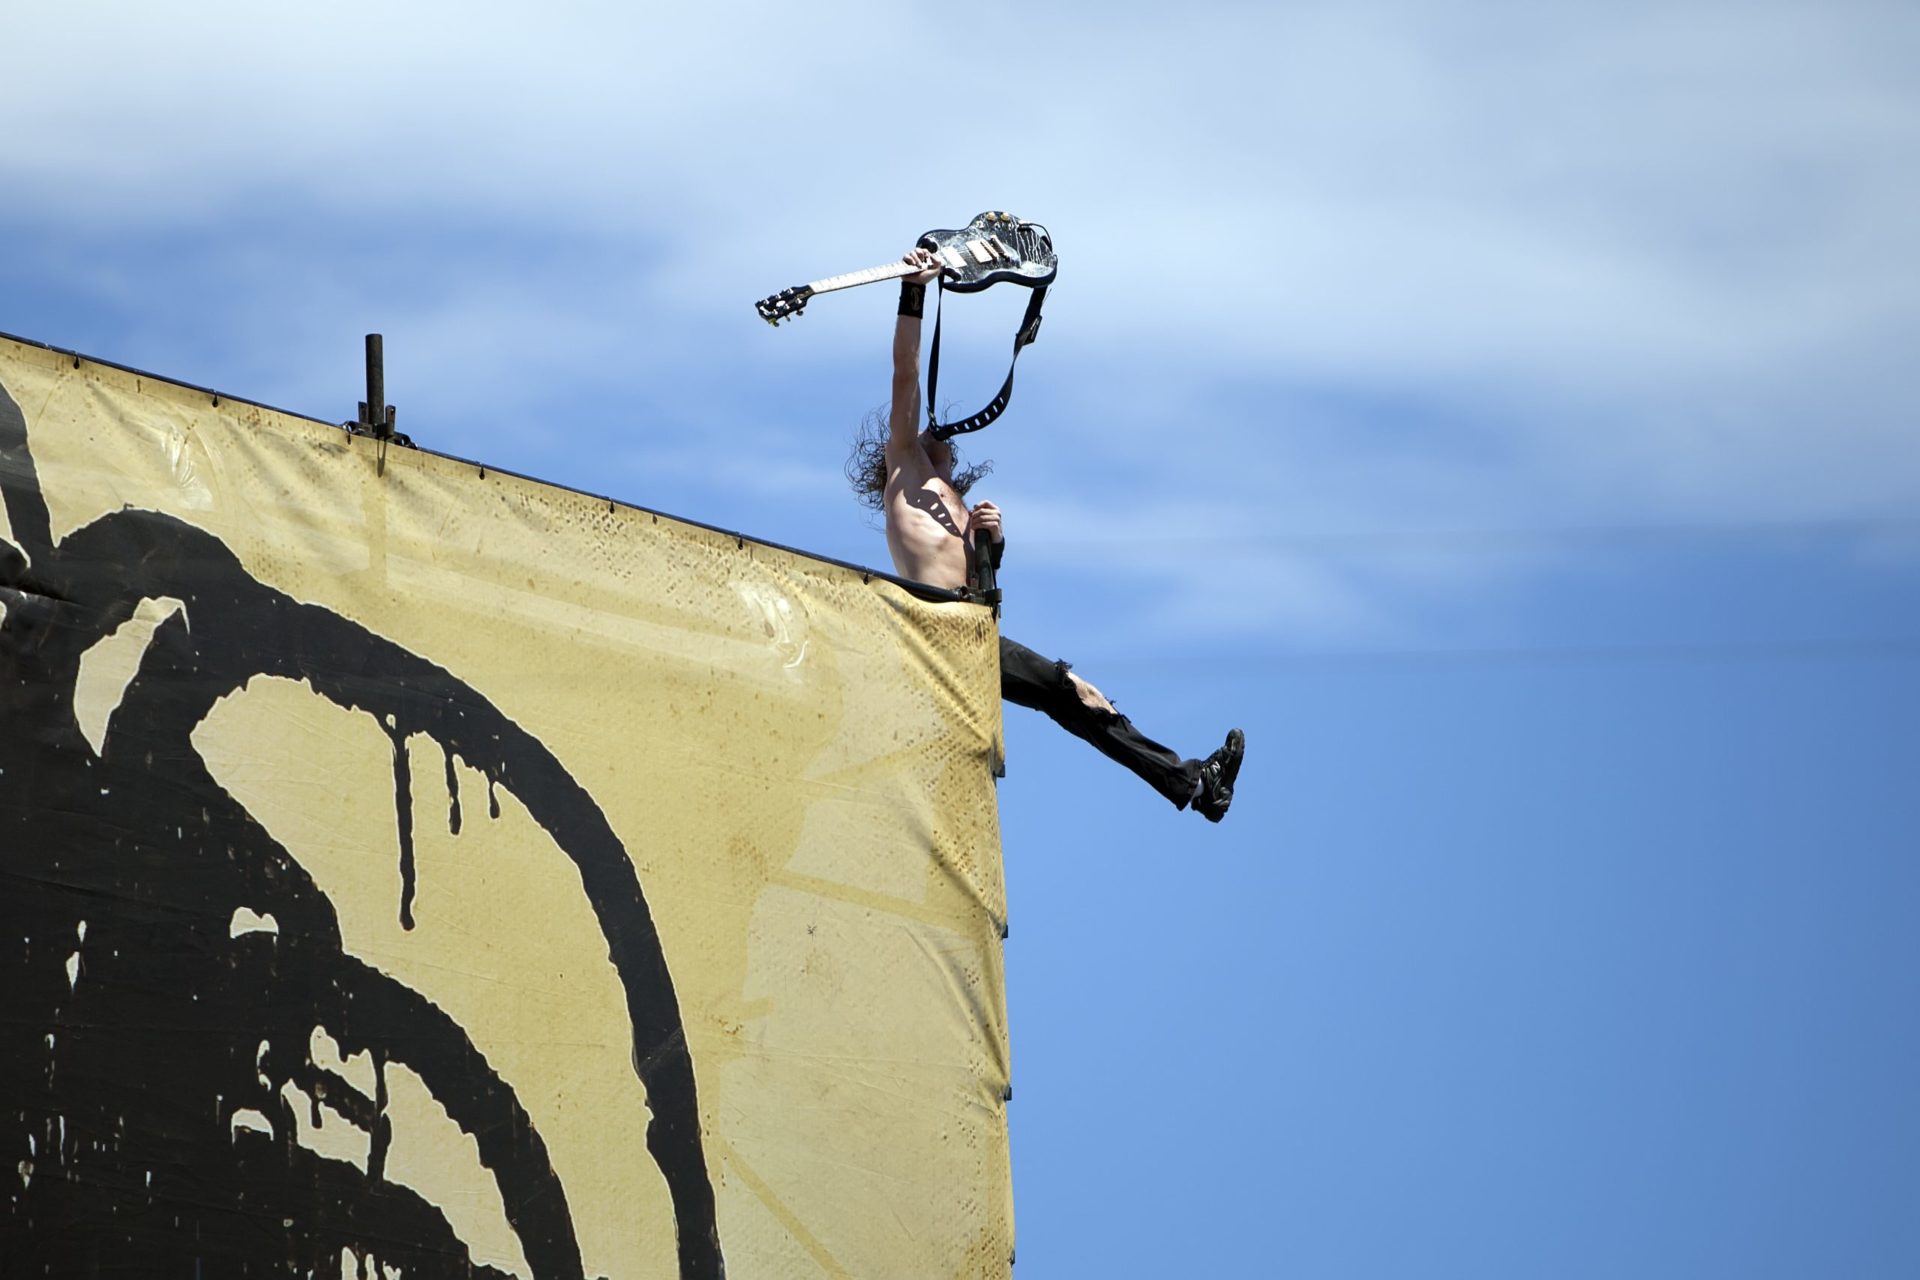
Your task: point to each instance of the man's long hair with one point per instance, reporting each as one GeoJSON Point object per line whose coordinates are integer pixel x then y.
{"type": "Point", "coordinates": [867, 462]}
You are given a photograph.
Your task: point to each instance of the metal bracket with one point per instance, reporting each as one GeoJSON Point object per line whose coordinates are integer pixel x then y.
{"type": "Point", "coordinates": [376, 415]}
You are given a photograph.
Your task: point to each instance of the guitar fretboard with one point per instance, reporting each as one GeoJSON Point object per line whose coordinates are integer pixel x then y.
{"type": "Point", "coordinates": [871, 275]}
{"type": "Point", "coordinates": [988, 251]}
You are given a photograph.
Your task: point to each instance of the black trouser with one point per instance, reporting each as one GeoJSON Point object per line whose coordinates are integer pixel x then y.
{"type": "Point", "coordinates": [1029, 680]}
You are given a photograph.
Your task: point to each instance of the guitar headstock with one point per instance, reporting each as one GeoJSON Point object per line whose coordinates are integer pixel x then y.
{"type": "Point", "coordinates": [784, 305]}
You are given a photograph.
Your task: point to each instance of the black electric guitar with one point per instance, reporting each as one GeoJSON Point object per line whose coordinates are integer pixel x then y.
{"type": "Point", "coordinates": [992, 248]}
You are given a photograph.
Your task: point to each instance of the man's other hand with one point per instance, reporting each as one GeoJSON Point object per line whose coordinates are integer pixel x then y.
{"type": "Point", "coordinates": [985, 518]}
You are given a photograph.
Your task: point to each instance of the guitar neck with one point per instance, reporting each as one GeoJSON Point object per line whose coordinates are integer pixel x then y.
{"type": "Point", "coordinates": [872, 275]}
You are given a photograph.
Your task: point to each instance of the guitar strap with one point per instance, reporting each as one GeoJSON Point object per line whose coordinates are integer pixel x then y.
{"type": "Point", "coordinates": [1029, 330]}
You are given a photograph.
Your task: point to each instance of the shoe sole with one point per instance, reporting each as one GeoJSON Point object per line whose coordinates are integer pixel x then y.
{"type": "Point", "coordinates": [1236, 751]}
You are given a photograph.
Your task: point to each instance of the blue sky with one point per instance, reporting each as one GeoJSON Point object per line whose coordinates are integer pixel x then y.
{"type": "Point", "coordinates": [1502, 412]}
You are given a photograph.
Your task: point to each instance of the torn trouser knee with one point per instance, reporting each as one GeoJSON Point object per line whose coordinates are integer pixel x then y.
{"type": "Point", "coordinates": [1042, 684]}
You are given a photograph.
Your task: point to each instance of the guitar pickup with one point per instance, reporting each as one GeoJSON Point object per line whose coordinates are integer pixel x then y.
{"type": "Point", "coordinates": [951, 256]}
{"type": "Point", "coordinates": [978, 248]}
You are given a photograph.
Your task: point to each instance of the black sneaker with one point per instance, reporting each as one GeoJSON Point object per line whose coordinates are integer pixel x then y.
{"type": "Point", "coordinates": [1217, 773]}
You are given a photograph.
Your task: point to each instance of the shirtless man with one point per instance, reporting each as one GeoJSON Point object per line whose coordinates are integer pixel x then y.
{"type": "Point", "coordinates": [931, 533]}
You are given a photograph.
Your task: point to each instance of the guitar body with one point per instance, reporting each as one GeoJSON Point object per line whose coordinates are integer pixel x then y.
{"type": "Point", "coordinates": [993, 248]}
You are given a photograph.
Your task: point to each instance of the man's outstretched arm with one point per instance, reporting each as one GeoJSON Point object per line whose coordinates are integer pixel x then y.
{"type": "Point", "coordinates": [903, 423]}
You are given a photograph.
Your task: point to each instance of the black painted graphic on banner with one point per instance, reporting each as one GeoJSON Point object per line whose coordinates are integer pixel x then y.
{"type": "Point", "coordinates": [137, 1022]}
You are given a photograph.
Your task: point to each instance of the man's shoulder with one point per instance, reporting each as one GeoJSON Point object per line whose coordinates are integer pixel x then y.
{"type": "Point", "coordinates": [907, 460]}
{"type": "Point", "coordinates": [906, 448]}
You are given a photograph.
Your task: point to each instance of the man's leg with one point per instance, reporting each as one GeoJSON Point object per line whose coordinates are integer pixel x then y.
{"type": "Point", "coordinates": [1029, 680]}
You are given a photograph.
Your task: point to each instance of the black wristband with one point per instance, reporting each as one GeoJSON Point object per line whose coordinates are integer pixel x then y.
{"type": "Point", "coordinates": [913, 299]}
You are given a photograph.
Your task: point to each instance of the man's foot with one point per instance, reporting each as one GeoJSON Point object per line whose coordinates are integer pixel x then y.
{"type": "Point", "coordinates": [1217, 773]}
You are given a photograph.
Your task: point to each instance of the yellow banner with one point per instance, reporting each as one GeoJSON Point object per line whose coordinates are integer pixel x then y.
{"type": "Point", "coordinates": [405, 865]}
